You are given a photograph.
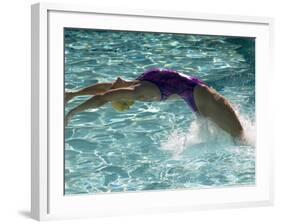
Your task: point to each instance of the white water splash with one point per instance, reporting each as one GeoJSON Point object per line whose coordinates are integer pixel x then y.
{"type": "Point", "coordinates": [203, 130]}
{"type": "Point", "coordinates": [249, 130]}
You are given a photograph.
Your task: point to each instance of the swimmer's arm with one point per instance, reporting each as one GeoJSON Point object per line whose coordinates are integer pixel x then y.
{"type": "Point", "coordinates": [128, 93]}
{"type": "Point", "coordinates": [94, 102]}
{"type": "Point", "coordinates": [90, 90]}
{"type": "Point", "coordinates": [123, 94]}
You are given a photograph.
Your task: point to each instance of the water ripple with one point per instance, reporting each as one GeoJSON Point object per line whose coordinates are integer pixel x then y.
{"type": "Point", "coordinates": [156, 145]}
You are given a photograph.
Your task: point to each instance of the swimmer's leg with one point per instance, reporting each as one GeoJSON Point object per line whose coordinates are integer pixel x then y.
{"type": "Point", "coordinates": [95, 89]}
{"type": "Point", "coordinates": [215, 107]}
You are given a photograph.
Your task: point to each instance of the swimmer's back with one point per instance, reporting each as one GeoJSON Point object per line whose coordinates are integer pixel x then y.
{"type": "Point", "coordinates": [171, 82]}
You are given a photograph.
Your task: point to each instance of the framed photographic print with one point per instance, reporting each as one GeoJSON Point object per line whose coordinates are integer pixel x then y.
{"type": "Point", "coordinates": [137, 111]}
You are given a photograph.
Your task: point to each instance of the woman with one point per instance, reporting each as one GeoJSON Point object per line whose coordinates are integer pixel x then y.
{"type": "Point", "coordinates": [160, 84]}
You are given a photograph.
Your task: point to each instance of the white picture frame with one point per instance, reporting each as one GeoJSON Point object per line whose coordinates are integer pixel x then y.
{"type": "Point", "coordinates": [47, 198]}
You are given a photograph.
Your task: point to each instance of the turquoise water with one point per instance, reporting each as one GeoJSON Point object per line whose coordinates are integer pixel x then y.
{"type": "Point", "coordinates": [157, 145]}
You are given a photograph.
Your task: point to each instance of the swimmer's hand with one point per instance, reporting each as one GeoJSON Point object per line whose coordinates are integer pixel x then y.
{"type": "Point", "coordinates": [67, 118]}
{"type": "Point", "coordinates": [94, 102]}
{"type": "Point", "coordinates": [68, 96]}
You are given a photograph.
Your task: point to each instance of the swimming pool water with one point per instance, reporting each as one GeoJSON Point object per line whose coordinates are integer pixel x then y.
{"type": "Point", "coordinates": [156, 145]}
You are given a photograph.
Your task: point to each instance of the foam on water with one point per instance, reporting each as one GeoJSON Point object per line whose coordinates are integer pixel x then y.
{"type": "Point", "coordinates": [249, 130]}
{"type": "Point", "coordinates": [202, 130]}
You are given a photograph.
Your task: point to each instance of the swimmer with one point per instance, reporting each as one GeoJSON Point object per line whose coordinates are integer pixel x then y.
{"type": "Point", "coordinates": [160, 84]}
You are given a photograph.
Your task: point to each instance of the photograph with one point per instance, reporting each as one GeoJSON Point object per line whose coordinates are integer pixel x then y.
{"type": "Point", "coordinates": [155, 111]}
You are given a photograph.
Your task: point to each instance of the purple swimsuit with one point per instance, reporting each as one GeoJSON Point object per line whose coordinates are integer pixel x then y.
{"type": "Point", "coordinates": [172, 82]}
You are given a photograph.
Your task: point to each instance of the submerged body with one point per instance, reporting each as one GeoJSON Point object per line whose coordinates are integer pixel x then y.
{"type": "Point", "coordinates": [161, 84]}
